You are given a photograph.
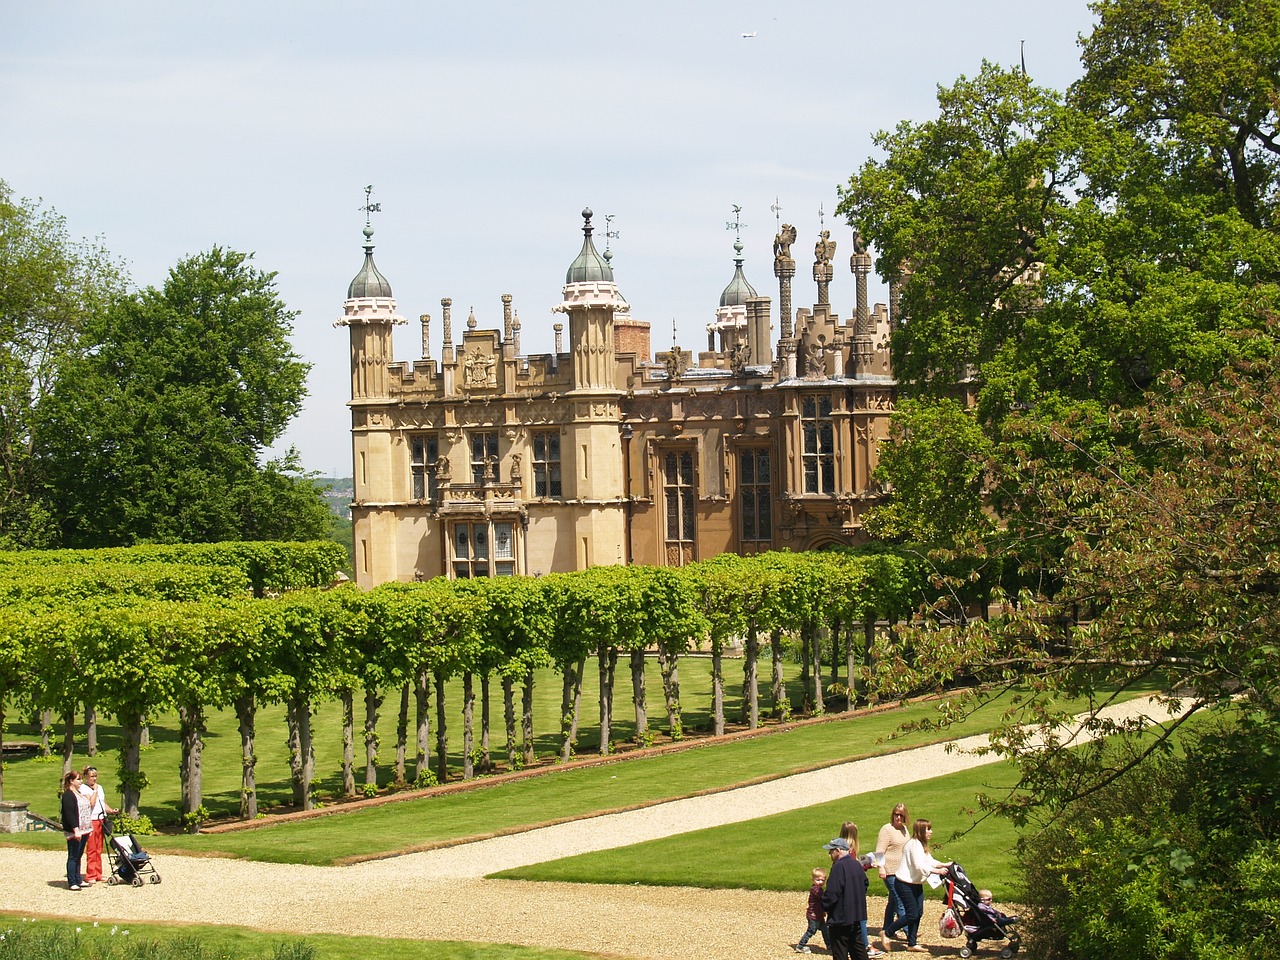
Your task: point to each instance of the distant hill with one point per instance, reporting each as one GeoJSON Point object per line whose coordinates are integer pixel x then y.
{"type": "Point", "coordinates": [338, 491]}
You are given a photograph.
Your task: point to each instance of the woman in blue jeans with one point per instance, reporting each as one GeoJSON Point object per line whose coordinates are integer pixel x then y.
{"type": "Point", "coordinates": [889, 846]}
{"type": "Point", "coordinates": [76, 826]}
{"type": "Point", "coordinates": [917, 864]}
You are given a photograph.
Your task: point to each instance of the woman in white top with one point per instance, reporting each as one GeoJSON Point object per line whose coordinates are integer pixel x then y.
{"type": "Point", "coordinates": [98, 810]}
{"type": "Point", "coordinates": [917, 863]}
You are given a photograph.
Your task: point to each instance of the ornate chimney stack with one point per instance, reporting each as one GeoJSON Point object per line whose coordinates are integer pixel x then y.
{"type": "Point", "coordinates": [446, 307]}
{"type": "Point", "coordinates": [864, 331]}
{"type": "Point", "coordinates": [784, 268]}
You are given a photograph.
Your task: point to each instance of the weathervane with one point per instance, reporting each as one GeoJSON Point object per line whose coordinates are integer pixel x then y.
{"type": "Point", "coordinates": [736, 223]}
{"type": "Point", "coordinates": [369, 208]}
{"type": "Point", "coordinates": [609, 232]}
{"type": "Point", "coordinates": [821, 217]}
{"type": "Point", "coordinates": [776, 207]}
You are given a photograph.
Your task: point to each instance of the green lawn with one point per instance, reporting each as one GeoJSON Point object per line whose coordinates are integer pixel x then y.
{"type": "Point", "coordinates": [778, 852]}
{"type": "Point", "coordinates": [239, 943]}
{"type": "Point", "coordinates": [35, 780]}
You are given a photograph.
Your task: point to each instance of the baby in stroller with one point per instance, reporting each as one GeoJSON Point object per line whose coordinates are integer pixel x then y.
{"type": "Point", "coordinates": [981, 920]}
{"type": "Point", "coordinates": [129, 862]}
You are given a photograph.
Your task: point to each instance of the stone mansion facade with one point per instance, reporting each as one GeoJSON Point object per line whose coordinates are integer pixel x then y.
{"type": "Point", "coordinates": [489, 462]}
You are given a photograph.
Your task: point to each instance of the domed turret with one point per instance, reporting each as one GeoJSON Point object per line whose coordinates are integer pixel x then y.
{"type": "Point", "coordinates": [589, 267]}
{"type": "Point", "coordinates": [368, 282]}
{"type": "Point", "coordinates": [739, 291]}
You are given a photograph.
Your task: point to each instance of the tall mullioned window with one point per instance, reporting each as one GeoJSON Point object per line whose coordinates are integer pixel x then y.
{"type": "Point", "coordinates": [484, 446]}
{"type": "Point", "coordinates": [755, 499]}
{"type": "Point", "coordinates": [424, 453]}
{"type": "Point", "coordinates": [546, 464]}
{"type": "Point", "coordinates": [819, 445]}
{"type": "Point", "coordinates": [679, 496]}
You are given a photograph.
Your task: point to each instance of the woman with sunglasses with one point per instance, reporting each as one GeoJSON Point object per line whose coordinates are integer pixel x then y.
{"type": "Point", "coordinates": [889, 846]}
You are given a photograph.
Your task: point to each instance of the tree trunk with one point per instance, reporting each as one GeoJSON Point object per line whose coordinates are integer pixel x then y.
{"type": "Point", "coordinates": [566, 705]}
{"type": "Point", "coordinates": [509, 719]}
{"type": "Point", "coordinates": [778, 684]}
{"type": "Point", "coordinates": [751, 676]}
{"type": "Point", "coordinates": [348, 743]}
{"type": "Point", "coordinates": [868, 652]}
{"type": "Point", "coordinates": [468, 729]}
{"type": "Point", "coordinates": [130, 761]}
{"type": "Point", "coordinates": [442, 734]}
{"type": "Point", "coordinates": [144, 736]}
{"type": "Point", "coordinates": [372, 704]}
{"type": "Point", "coordinates": [90, 730]}
{"type": "Point", "coordinates": [837, 631]}
{"type": "Point", "coordinates": [46, 724]}
{"type": "Point", "coordinates": [806, 662]}
{"type": "Point", "coordinates": [608, 659]}
{"type": "Point", "coordinates": [246, 711]}
{"type": "Point", "coordinates": [819, 707]}
{"type": "Point", "coordinates": [191, 724]}
{"type": "Point", "coordinates": [302, 758]}
{"type": "Point", "coordinates": [669, 667]}
{"type": "Point", "coordinates": [526, 718]}
{"type": "Point", "coordinates": [422, 706]}
{"type": "Point", "coordinates": [402, 734]}
{"type": "Point", "coordinates": [1, 746]}
{"type": "Point", "coordinates": [639, 697]}
{"type": "Point", "coordinates": [486, 757]}
{"type": "Point", "coordinates": [717, 687]}
{"type": "Point", "coordinates": [851, 665]}
{"type": "Point", "coordinates": [68, 739]}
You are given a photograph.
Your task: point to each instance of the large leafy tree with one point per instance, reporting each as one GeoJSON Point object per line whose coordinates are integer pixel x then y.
{"type": "Point", "coordinates": [156, 432]}
{"type": "Point", "coordinates": [1100, 271]}
{"type": "Point", "coordinates": [51, 286]}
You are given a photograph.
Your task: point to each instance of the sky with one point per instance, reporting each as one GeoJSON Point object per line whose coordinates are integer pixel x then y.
{"type": "Point", "coordinates": [162, 129]}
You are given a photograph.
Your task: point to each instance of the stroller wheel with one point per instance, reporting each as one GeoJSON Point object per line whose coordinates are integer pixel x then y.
{"type": "Point", "coordinates": [1007, 952]}
{"type": "Point", "coordinates": [112, 880]}
{"type": "Point", "coordinates": [966, 952]}
{"type": "Point", "coordinates": [137, 881]}
{"type": "Point", "coordinates": [155, 878]}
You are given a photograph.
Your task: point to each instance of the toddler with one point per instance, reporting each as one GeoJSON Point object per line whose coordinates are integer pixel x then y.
{"type": "Point", "coordinates": [814, 913]}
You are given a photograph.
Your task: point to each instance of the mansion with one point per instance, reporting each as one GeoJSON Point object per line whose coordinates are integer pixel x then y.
{"type": "Point", "coordinates": [489, 462]}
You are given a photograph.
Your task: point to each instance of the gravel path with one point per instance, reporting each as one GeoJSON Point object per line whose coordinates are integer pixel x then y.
{"type": "Point", "coordinates": [441, 894]}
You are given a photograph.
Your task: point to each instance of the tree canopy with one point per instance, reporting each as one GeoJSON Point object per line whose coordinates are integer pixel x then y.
{"type": "Point", "coordinates": [155, 431]}
{"type": "Point", "coordinates": [51, 288]}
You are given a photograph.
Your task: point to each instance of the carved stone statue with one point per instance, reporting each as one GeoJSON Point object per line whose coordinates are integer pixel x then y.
{"type": "Point", "coordinates": [443, 473]}
{"type": "Point", "coordinates": [677, 363]}
{"type": "Point", "coordinates": [859, 244]}
{"type": "Point", "coordinates": [782, 242]}
{"type": "Point", "coordinates": [739, 354]}
{"type": "Point", "coordinates": [825, 248]}
{"type": "Point", "coordinates": [815, 361]}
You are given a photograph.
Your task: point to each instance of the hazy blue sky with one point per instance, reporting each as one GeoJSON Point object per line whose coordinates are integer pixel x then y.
{"type": "Point", "coordinates": [164, 128]}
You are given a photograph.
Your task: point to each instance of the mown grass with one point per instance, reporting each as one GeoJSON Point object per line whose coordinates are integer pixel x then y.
{"type": "Point", "coordinates": [560, 794]}
{"type": "Point", "coordinates": [28, 939]}
{"type": "Point", "coordinates": [35, 780]}
{"type": "Point", "coordinates": [778, 852]}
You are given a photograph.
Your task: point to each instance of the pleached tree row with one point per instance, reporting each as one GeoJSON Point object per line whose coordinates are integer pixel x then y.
{"type": "Point", "coordinates": [136, 633]}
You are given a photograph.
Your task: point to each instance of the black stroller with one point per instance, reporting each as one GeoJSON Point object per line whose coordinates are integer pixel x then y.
{"type": "Point", "coordinates": [981, 920]}
{"type": "Point", "coordinates": [129, 862]}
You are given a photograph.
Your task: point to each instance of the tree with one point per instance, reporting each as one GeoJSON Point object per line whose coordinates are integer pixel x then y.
{"type": "Point", "coordinates": [934, 467]}
{"type": "Point", "coordinates": [51, 288]}
{"type": "Point", "coordinates": [156, 431]}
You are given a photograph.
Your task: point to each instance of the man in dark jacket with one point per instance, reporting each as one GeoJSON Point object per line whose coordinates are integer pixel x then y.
{"type": "Point", "coordinates": [845, 902]}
